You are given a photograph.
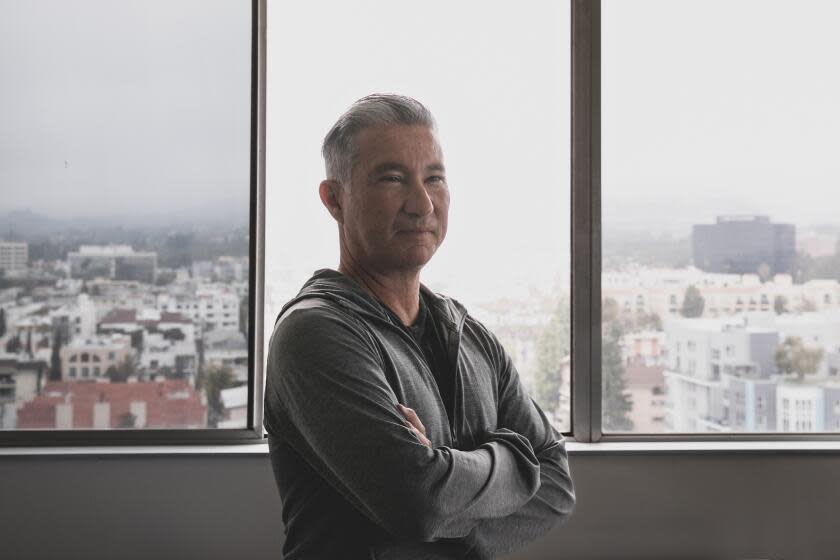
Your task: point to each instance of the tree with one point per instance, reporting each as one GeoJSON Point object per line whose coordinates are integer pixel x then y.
{"type": "Point", "coordinates": [55, 358]}
{"type": "Point", "coordinates": [216, 379]}
{"type": "Point", "coordinates": [693, 303]}
{"type": "Point", "coordinates": [2, 321]}
{"type": "Point", "coordinates": [792, 356]}
{"type": "Point", "coordinates": [121, 372]}
{"type": "Point", "coordinates": [552, 347]}
{"type": "Point", "coordinates": [616, 401]}
{"type": "Point", "coordinates": [780, 305]}
{"type": "Point", "coordinates": [647, 321]}
{"type": "Point", "coordinates": [13, 345]}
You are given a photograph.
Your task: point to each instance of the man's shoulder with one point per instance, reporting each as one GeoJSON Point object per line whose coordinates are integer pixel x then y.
{"type": "Point", "coordinates": [314, 317]}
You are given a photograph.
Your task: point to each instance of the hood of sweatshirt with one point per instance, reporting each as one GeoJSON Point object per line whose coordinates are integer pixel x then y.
{"type": "Point", "coordinates": [334, 286]}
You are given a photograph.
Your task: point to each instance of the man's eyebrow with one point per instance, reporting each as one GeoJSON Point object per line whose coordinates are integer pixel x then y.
{"type": "Point", "coordinates": [393, 166]}
{"type": "Point", "coordinates": [388, 166]}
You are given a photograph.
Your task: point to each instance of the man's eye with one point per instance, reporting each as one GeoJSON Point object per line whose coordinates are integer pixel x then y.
{"type": "Point", "coordinates": [437, 179]}
{"type": "Point", "coordinates": [392, 179]}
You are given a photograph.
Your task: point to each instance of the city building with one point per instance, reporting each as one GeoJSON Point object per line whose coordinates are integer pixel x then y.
{"type": "Point", "coordinates": [14, 255]}
{"type": "Point", "coordinates": [646, 387]}
{"type": "Point", "coordinates": [662, 291]}
{"type": "Point", "coordinates": [210, 306]}
{"type": "Point", "coordinates": [21, 379]}
{"type": "Point", "coordinates": [235, 407]}
{"type": "Point", "coordinates": [90, 357]}
{"type": "Point", "coordinates": [165, 340]}
{"type": "Point", "coordinates": [227, 348]}
{"type": "Point", "coordinates": [166, 403]}
{"type": "Point", "coordinates": [744, 245]}
{"type": "Point", "coordinates": [645, 348]}
{"type": "Point", "coordinates": [703, 356]}
{"type": "Point", "coordinates": [115, 262]}
{"type": "Point", "coordinates": [75, 319]}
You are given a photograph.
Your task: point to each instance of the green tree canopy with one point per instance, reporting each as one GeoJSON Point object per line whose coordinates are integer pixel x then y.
{"type": "Point", "coordinates": [780, 305]}
{"type": "Point", "coordinates": [792, 356]}
{"type": "Point", "coordinates": [121, 372]}
{"type": "Point", "coordinates": [693, 303]}
{"type": "Point", "coordinates": [552, 347]}
{"type": "Point", "coordinates": [616, 401]}
{"type": "Point", "coordinates": [216, 379]}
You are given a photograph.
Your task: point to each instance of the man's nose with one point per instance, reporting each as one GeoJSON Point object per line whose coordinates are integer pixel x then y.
{"type": "Point", "coordinates": [418, 203]}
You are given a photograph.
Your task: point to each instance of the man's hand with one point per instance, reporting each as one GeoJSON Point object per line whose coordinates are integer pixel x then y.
{"type": "Point", "coordinates": [413, 422]}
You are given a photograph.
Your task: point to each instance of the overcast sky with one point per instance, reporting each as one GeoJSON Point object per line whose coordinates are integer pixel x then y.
{"type": "Point", "coordinates": [720, 106]}
{"type": "Point", "coordinates": [496, 76]}
{"type": "Point", "coordinates": [709, 107]}
{"type": "Point", "coordinates": [124, 107]}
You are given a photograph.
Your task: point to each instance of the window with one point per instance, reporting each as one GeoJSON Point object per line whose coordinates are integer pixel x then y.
{"type": "Point", "coordinates": [128, 161]}
{"type": "Point", "coordinates": [705, 117]}
{"type": "Point", "coordinates": [490, 87]}
{"type": "Point", "coordinates": [724, 120]}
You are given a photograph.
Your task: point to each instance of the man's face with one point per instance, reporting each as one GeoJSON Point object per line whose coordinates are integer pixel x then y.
{"type": "Point", "coordinates": [396, 207]}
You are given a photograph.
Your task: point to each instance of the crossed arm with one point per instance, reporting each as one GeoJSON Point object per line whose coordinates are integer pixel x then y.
{"type": "Point", "coordinates": [555, 498]}
{"type": "Point", "coordinates": [328, 397]}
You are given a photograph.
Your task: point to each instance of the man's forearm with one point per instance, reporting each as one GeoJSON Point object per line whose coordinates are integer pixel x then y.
{"type": "Point", "coordinates": [552, 504]}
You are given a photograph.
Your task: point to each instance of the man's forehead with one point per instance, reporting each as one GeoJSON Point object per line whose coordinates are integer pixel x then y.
{"type": "Point", "coordinates": [387, 143]}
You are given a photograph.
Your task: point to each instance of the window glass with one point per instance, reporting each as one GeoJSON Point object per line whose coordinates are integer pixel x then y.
{"type": "Point", "coordinates": [496, 77]}
{"type": "Point", "coordinates": [719, 168]}
{"type": "Point", "coordinates": [124, 170]}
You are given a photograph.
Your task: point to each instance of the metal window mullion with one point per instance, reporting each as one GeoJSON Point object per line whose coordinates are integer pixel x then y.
{"type": "Point", "coordinates": [586, 220]}
{"type": "Point", "coordinates": [257, 297]}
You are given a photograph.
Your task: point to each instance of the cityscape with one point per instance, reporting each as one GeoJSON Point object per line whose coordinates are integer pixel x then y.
{"type": "Point", "coordinates": [735, 328]}
{"type": "Point", "coordinates": [150, 332]}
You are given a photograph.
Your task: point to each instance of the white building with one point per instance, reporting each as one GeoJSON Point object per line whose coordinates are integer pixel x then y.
{"type": "Point", "coordinates": [227, 348]}
{"type": "Point", "coordinates": [702, 355]}
{"type": "Point", "coordinates": [78, 318]}
{"type": "Point", "coordinates": [14, 255]}
{"type": "Point", "coordinates": [212, 306]}
{"type": "Point", "coordinates": [90, 357]}
{"type": "Point", "coordinates": [235, 407]}
{"type": "Point", "coordinates": [661, 291]}
{"type": "Point", "coordinates": [800, 408]}
{"type": "Point", "coordinates": [168, 339]}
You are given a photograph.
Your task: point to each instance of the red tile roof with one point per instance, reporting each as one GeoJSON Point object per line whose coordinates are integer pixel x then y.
{"type": "Point", "coordinates": [171, 403]}
{"type": "Point", "coordinates": [120, 316]}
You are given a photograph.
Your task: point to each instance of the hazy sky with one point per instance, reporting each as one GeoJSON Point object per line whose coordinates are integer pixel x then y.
{"type": "Point", "coordinates": [709, 107]}
{"type": "Point", "coordinates": [115, 106]}
{"type": "Point", "coordinates": [721, 106]}
{"type": "Point", "coordinates": [496, 76]}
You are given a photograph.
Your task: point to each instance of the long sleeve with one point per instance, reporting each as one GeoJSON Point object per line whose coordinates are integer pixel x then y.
{"type": "Point", "coordinates": [328, 397]}
{"type": "Point", "coordinates": [555, 499]}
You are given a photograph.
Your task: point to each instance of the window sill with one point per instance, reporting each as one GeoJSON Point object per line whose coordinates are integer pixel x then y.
{"type": "Point", "coordinates": [702, 447]}
{"type": "Point", "coordinates": [573, 447]}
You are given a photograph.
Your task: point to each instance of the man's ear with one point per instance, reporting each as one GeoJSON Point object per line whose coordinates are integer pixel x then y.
{"type": "Point", "coordinates": [330, 193]}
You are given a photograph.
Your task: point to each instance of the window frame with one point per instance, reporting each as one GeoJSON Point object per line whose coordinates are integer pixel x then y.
{"type": "Point", "coordinates": [586, 253]}
{"type": "Point", "coordinates": [253, 432]}
{"type": "Point", "coordinates": [585, 225]}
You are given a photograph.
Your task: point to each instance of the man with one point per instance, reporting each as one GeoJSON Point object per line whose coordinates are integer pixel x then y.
{"type": "Point", "coordinates": [398, 427]}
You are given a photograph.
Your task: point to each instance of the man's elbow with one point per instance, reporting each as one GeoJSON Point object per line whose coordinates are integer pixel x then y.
{"type": "Point", "coordinates": [565, 505]}
{"type": "Point", "coordinates": [423, 521]}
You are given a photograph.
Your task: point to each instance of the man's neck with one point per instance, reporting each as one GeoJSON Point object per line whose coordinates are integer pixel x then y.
{"type": "Point", "coordinates": [400, 290]}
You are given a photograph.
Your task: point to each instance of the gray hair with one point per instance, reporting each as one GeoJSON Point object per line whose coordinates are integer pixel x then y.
{"type": "Point", "coordinates": [378, 109]}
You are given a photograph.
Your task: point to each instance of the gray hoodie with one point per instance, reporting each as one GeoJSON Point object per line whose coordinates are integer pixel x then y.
{"type": "Point", "coordinates": [356, 482]}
